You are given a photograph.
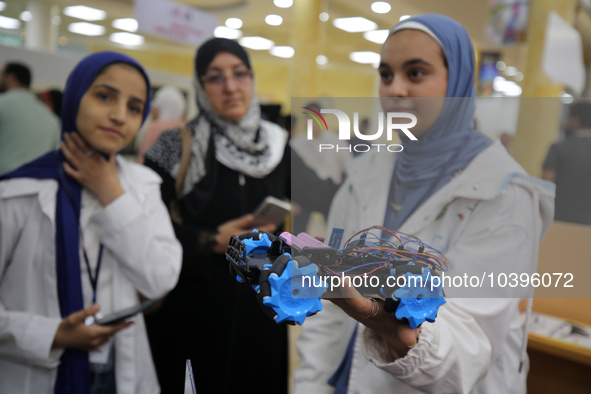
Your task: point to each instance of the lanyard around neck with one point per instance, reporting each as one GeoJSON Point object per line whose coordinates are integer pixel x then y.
{"type": "Point", "coordinates": [93, 277]}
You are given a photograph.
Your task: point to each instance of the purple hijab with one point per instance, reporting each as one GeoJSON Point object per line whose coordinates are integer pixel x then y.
{"type": "Point", "coordinates": [74, 370]}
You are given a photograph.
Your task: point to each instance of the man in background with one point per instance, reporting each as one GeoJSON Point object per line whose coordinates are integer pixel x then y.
{"type": "Point", "coordinates": [28, 128]}
{"type": "Point", "coordinates": [316, 176]}
{"type": "Point", "coordinates": [568, 164]}
{"type": "Point", "coordinates": [363, 129]}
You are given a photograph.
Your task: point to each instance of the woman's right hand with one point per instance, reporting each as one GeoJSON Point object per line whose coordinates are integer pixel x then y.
{"type": "Point", "coordinates": [241, 225]}
{"type": "Point", "coordinates": [72, 333]}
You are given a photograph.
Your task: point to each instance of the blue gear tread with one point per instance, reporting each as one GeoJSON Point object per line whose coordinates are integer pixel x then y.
{"type": "Point", "coordinates": [419, 304]}
{"type": "Point", "coordinates": [289, 299]}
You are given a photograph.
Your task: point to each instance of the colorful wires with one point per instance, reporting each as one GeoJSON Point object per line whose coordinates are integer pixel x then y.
{"type": "Point", "coordinates": [365, 250]}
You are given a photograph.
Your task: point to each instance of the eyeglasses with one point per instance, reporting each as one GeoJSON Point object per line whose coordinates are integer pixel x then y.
{"type": "Point", "coordinates": [220, 79]}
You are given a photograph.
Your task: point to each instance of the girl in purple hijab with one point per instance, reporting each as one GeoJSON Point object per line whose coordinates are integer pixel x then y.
{"type": "Point", "coordinates": [82, 233]}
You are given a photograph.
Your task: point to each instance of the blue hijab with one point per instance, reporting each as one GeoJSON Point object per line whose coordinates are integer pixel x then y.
{"type": "Point", "coordinates": [74, 370]}
{"type": "Point", "coordinates": [424, 166]}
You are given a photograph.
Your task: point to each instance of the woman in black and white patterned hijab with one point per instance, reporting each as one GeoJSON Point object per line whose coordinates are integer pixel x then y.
{"type": "Point", "coordinates": [237, 159]}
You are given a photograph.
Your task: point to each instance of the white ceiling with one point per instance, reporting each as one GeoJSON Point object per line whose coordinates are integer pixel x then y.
{"type": "Point", "coordinates": [471, 13]}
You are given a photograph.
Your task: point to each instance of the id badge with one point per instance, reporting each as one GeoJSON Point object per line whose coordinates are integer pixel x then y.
{"type": "Point", "coordinates": [101, 355]}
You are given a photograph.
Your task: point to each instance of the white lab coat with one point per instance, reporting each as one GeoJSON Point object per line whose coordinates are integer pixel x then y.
{"type": "Point", "coordinates": [141, 254]}
{"type": "Point", "coordinates": [490, 215]}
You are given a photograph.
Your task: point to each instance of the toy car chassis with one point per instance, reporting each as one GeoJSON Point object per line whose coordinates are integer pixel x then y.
{"type": "Point", "coordinates": [290, 273]}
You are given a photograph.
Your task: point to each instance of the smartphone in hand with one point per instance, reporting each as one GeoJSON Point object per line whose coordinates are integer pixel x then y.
{"type": "Point", "coordinates": [272, 210]}
{"type": "Point", "coordinates": [120, 316]}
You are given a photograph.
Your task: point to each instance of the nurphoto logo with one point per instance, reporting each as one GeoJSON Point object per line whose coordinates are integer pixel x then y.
{"type": "Point", "coordinates": [392, 119]}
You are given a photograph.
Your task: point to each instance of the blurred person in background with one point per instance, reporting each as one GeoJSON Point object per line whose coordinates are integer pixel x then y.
{"type": "Point", "coordinates": [320, 172]}
{"type": "Point", "coordinates": [169, 110]}
{"type": "Point", "coordinates": [363, 129]}
{"type": "Point", "coordinates": [235, 160]}
{"type": "Point", "coordinates": [568, 164]}
{"type": "Point", "coordinates": [28, 128]}
{"type": "Point", "coordinates": [53, 99]}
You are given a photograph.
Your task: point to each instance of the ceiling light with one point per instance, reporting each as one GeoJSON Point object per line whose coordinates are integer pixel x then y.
{"type": "Point", "coordinates": [26, 16]}
{"type": "Point", "coordinates": [403, 17]}
{"type": "Point", "coordinates": [86, 13]}
{"type": "Point", "coordinates": [9, 23]}
{"type": "Point", "coordinates": [508, 88]}
{"type": "Point", "coordinates": [282, 51]}
{"type": "Point", "coordinates": [566, 98]}
{"type": "Point", "coordinates": [234, 23]}
{"type": "Point", "coordinates": [501, 65]}
{"type": "Point", "coordinates": [63, 40]}
{"type": "Point", "coordinates": [354, 25]}
{"type": "Point", "coordinates": [226, 32]}
{"type": "Point", "coordinates": [323, 16]}
{"type": "Point", "coordinates": [256, 43]}
{"type": "Point", "coordinates": [87, 29]}
{"type": "Point", "coordinates": [513, 90]}
{"type": "Point", "coordinates": [283, 3]}
{"type": "Point", "coordinates": [518, 77]}
{"type": "Point", "coordinates": [273, 20]}
{"type": "Point", "coordinates": [127, 24]}
{"type": "Point", "coordinates": [321, 60]}
{"type": "Point", "coordinates": [511, 71]}
{"type": "Point", "coordinates": [377, 36]}
{"type": "Point", "coordinates": [127, 38]}
{"type": "Point", "coordinates": [365, 57]}
{"type": "Point", "coordinates": [2, 5]}
{"type": "Point", "coordinates": [381, 7]}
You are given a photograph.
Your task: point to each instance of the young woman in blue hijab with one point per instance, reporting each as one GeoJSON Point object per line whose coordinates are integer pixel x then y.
{"type": "Point", "coordinates": [455, 190]}
{"type": "Point", "coordinates": [83, 231]}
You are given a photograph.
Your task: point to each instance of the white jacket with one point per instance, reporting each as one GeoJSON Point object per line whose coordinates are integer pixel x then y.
{"type": "Point", "coordinates": [490, 215]}
{"type": "Point", "coordinates": [141, 254]}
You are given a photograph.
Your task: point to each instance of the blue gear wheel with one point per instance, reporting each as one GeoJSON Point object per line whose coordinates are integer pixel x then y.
{"type": "Point", "coordinates": [257, 245]}
{"type": "Point", "coordinates": [289, 299]}
{"type": "Point", "coordinates": [418, 304]}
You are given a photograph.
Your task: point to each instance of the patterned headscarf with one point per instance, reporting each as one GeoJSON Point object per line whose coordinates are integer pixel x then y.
{"type": "Point", "coordinates": [251, 146]}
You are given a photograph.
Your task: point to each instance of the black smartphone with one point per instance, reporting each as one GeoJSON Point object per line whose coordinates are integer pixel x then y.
{"type": "Point", "coordinates": [124, 314]}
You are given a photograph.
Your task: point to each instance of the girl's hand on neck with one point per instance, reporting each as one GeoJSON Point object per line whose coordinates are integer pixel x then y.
{"type": "Point", "coordinates": [91, 169]}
